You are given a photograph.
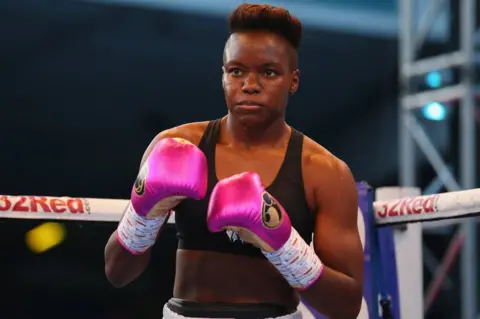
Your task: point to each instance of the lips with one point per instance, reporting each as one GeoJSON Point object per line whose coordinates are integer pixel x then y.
{"type": "Point", "coordinates": [249, 102]}
{"type": "Point", "coordinates": [249, 105]}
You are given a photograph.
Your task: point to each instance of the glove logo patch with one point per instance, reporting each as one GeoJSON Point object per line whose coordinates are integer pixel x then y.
{"type": "Point", "coordinates": [140, 181]}
{"type": "Point", "coordinates": [272, 216]}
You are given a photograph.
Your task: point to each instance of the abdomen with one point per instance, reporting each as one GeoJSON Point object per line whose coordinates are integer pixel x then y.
{"type": "Point", "coordinates": [205, 276]}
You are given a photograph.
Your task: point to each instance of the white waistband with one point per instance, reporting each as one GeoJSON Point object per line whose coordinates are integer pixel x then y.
{"type": "Point", "coordinates": [169, 314]}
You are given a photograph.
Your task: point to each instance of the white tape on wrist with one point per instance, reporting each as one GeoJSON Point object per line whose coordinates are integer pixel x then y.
{"type": "Point", "coordinates": [297, 262]}
{"type": "Point", "coordinates": [137, 233]}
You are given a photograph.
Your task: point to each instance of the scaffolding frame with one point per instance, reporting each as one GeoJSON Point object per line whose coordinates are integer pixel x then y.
{"type": "Point", "coordinates": [412, 35]}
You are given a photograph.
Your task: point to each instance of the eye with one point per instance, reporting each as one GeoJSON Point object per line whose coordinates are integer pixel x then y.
{"type": "Point", "coordinates": [270, 73]}
{"type": "Point", "coordinates": [235, 71]}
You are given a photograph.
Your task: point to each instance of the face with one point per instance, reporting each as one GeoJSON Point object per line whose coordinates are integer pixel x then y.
{"type": "Point", "coordinates": [258, 76]}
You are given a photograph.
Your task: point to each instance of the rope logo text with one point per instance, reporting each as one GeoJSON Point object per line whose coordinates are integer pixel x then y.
{"type": "Point", "coordinates": [407, 206]}
{"type": "Point", "coordinates": [34, 204]}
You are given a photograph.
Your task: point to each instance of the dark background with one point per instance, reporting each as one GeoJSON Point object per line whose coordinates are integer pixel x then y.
{"type": "Point", "coordinates": [84, 87]}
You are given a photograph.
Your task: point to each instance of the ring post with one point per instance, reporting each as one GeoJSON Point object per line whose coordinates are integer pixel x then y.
{"type": "Point", "coordinates": [406, 252]}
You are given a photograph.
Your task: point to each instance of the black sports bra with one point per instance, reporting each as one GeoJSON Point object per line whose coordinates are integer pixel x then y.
{"type": "Point", "coordinates": [287, 188]}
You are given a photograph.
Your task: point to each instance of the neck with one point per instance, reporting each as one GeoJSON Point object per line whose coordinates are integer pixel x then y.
{"type": "Point", "coordinates": [256, 135]}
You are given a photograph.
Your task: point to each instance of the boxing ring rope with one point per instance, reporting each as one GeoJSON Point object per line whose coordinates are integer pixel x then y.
{"type": "Point", "coordinates": [398, 206]}
{"type": "Point", "coordinates": [407, 210]}
{"type": "Point", "coordinates": [450, 205]}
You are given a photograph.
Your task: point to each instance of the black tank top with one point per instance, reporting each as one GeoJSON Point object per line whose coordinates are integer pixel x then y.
{"type": "Point", "coordinates": [287, 188]}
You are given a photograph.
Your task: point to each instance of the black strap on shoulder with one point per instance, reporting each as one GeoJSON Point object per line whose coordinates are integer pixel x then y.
{"type": "Point", "coordinates": [208, 144]}
{"type": "Point", "coordinates": [293, 156]}
{"type": "Point", "coordinates": [210, 136]}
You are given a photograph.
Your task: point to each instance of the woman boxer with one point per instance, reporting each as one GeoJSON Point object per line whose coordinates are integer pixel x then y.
{"type": "Point", "coordinates": [248, 191]}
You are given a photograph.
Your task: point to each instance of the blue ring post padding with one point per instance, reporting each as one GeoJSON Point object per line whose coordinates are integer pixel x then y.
{"type": "Point", "coordinates": [370, 293]}
{"type": "Point", "coordinates": [365, 203]}
{"type": "Point", "coordinates": [387, 262]}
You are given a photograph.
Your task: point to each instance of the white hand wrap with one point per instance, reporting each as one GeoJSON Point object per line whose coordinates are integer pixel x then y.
{"type": "Point", "coordinates": [297, 262]}
{"type": "Point", "coordinates": [136, 233]}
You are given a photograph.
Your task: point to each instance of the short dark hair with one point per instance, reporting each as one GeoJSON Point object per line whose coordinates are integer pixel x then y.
{"type": "Point", "coordinates": [263, 17]}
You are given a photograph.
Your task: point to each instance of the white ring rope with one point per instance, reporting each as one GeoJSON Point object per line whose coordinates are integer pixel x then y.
{"type": "Point", "coordinates": [459, 204]}
{"type": "Point", "coordinates": [406, 210]}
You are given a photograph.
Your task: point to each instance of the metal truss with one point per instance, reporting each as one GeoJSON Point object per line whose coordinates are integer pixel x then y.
{"type": "Point", "coordinates": [412, 35]}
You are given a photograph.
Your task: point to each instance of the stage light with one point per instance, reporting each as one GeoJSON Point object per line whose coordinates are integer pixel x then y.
{"type": "Point", "coordinates": [45, 237]}
{"type": "Point", "coordinates": [434, 111]}
{"type": "Point", "coordinates": [434, 79]}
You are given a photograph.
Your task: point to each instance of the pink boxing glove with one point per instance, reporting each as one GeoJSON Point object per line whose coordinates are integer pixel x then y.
{"type": "Point", "coordinates": [241, 204]}
{"type": "Point", "coordinates": [176, 169]}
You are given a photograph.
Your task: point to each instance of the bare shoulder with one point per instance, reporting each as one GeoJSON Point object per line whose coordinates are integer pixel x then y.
{"type": "Point", "coordinates": [318, 161]}
{"type": "Point", "coordinates": [191, 132]}
{"type": "Point", "coordinates": [329, 183]}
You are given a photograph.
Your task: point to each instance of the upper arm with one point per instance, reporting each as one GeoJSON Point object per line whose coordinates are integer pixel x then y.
{"type": "Point", "coordinates": [191, 132]}
{"type": "Point", "coordinates": [336, 238]}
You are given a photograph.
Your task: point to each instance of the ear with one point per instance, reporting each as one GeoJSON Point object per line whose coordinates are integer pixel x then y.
{"type": "Point", "coordinates": [295, 81]}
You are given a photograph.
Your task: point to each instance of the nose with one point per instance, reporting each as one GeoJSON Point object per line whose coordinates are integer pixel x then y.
{"type": "Point", "coordinates": [251, 85]}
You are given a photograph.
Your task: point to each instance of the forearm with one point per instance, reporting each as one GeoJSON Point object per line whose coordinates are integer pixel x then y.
{"type": "Point", "coordinates": [330, 292]}
{"type": "Point", "coordinates": [334, 294]}
{"type": "Point", "coordinates": [127, 252]}
{"type": "Point", "coordinates": [173, 169]}
{"type": "Point", "coordinates": [121, 266]}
